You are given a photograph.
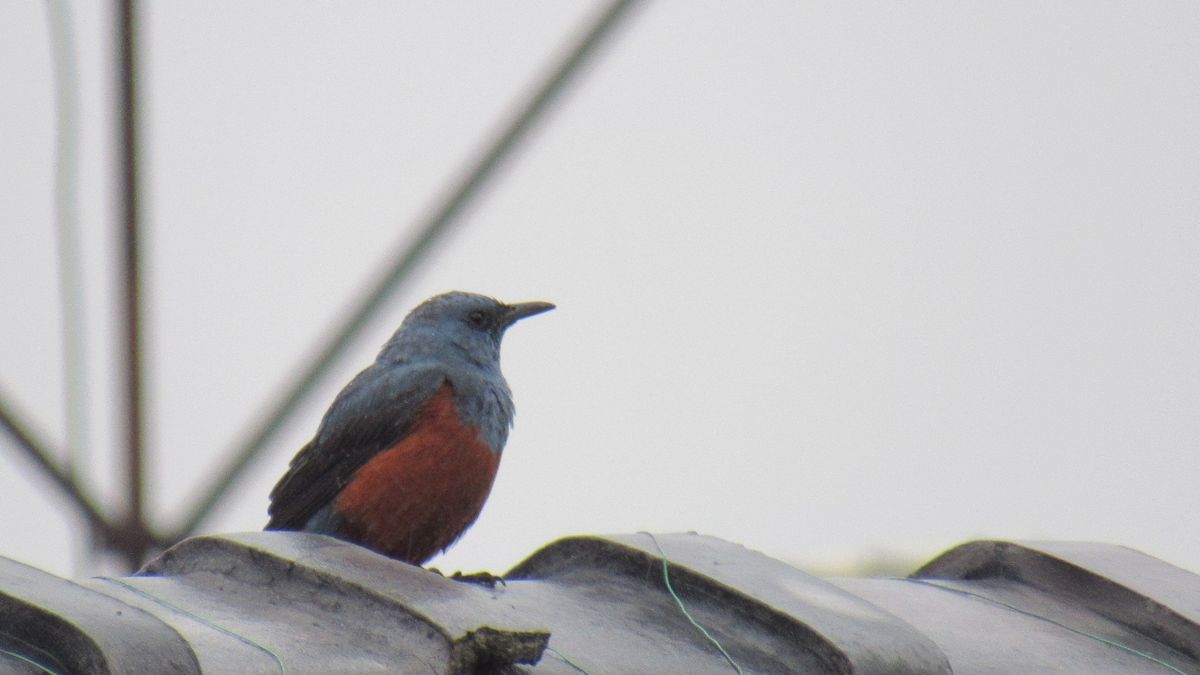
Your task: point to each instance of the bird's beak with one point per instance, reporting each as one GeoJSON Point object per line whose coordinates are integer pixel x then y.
{"type": "Point", "coordinates": [520, 310]}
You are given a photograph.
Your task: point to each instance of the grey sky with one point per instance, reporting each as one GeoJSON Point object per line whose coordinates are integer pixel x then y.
{"type": "Point", "coordinates": [832, 279]}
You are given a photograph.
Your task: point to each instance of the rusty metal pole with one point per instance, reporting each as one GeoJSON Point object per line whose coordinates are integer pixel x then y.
{"type": "Point", "coordinates": [134, 543]}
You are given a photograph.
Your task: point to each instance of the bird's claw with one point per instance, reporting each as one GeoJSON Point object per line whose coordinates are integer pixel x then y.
{"type": "Point", "coordinates": [478, 578]}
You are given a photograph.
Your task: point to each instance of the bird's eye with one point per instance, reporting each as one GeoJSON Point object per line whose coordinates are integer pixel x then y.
{"type": "Point", "coordinates": [477, 319]}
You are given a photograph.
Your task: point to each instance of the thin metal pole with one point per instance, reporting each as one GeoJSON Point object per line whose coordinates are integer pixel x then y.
{"type": "Point", "coordinates": [131, 269]}
{"type": "Point", "coordinates": [66, 216]}
{"type": "Point", "coordinates": [430, 228]}
{"type": "Point", "coordinates": [35, 449]}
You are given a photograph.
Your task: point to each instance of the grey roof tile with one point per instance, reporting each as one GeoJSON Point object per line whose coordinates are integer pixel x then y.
{"type": "Point", "coordinates": [1126, 586]}
{"type": "Point", "coordinates": [68, 628]}
{"type": "Point", "coordinates": [771, 615]}
{"type": "Point", "coordinates": [271, 602]}
{"type": "Point", "coordinates": [324, 606]}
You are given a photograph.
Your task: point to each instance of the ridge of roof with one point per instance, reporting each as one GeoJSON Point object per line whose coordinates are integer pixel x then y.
{"type": "Point", "coordinates": [72, 628]}
{"type": "Point", "coordinates": [271, 602]}
{"type": "Point", "coordinates": [1153, 597]}
{"type": "Point", "coordinates": [843, 632]}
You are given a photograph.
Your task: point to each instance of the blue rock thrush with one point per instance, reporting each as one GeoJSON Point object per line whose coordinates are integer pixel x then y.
{"type": "Point", "coordinates": [405, 457]}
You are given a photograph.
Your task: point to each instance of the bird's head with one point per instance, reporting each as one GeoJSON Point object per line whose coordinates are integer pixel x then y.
{"type": "Point", "coordinates": [457, 325]}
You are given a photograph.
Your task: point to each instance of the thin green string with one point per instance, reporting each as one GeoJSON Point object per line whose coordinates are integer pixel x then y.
{"type": "Point", "coordinates": [567, 661]}
{"type": "Point", "coordinates": [196, 617]}
{"type": "Point", "coordinates": [26, 659]}
{"type": "Point", "coordinates": [1098, 638]}
{"type": "Point", "coordinates": [678, 601]}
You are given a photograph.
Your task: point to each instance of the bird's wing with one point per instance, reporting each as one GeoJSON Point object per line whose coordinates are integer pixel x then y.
{"type": "Point", "coordinates": [371, 414]}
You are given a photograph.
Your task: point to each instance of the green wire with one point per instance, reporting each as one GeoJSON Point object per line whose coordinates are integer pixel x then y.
{"type": "Point", "coordinates": [1097, 638]}
{"type": "Point", "coordinates": [567, 661]}
{"type": "Point", "coordinates": [195, 617]}
{"type": "Point", "coordinates": [678, 601]}
{"type": "Point", "coordinates": [31, 662]}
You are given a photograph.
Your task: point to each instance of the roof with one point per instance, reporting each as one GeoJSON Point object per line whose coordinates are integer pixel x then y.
{"type": "Point", "coordinates": [284, 602]}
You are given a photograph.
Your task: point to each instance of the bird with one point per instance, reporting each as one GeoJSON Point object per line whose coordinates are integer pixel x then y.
{"type": "Point", "coordinates": [405, 457]}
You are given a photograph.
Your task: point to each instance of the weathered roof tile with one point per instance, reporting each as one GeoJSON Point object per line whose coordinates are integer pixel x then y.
{"type": "Point", "coordinates": [271, 602]}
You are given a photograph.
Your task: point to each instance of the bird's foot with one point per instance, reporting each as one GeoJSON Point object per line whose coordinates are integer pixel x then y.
{"type": "Point", "coordinates": [479, 578]}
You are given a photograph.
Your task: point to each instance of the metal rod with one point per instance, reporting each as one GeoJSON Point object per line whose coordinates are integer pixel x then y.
{"type": "Point", "coordinates": [130, 267]}
{"type": "Point", "coordinates": [430, 228]}
{"type": "Point", "coordinates": [35, 449]}
{"type": "Point", "coordinates": [66, 217]}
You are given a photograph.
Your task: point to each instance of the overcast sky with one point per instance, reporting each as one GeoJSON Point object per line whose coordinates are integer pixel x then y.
{"type": "Point", "coordinates": [833, 279]}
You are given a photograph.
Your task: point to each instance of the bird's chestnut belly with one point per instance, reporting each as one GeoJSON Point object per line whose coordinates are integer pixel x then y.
{"type": "Point", "coordinates": [418, 496]}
